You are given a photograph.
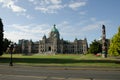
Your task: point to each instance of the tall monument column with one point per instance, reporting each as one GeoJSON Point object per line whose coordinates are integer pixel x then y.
{"type": "Point", "coordinates": [104, 46]}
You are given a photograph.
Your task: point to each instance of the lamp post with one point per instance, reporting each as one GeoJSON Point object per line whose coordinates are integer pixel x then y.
{"type": "Point", "coordinates": [11, 50]}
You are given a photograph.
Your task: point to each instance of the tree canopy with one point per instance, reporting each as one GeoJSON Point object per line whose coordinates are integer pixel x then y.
{"type": "Point", "coordinates": [95, 47]}
{"type": "Point", "coordinates": [6, 44]}
{"type": "Point", "coordinates": [114, 49]}
{"type": "Point", "coordinates": [1, 37]}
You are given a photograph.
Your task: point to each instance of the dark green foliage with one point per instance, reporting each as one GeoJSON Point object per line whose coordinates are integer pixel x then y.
{"type": "Point", "coordinates": [6, 43]}
{"type": "Point", "coordinates": [114, 49]}
{"type": "Point", "coordinates": [1, 37]}
{"type": "Point", "coordinates": [95, 47]}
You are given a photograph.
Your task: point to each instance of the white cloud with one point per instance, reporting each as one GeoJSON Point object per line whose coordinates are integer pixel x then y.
{"type": "Point", "coordinates": [83, 13]}
{"type": "Point", "coordinates": [45, 2]}
{"type": "Point", "coordinates": [56, 1]}
{"type": "Point", "coordinates": [15, 35]}
{"type": "Point", "coordinates": [49, 9]}
{"type": "Point", "coordinates": [42, 9]}
{"type": "Point", "coordinates": [11, 5]}
{"type": "Point", "coordinates": [94, 26]}
{"type": "Point", "coordinates": [75, 5]}
{"type": "Point", "coordinates": [31, 0]}
{"type": "Point", "coordinates": [93, 19]}
{"type": "Point", "coordinates": [52, 6]}
{"type": "Point", "coordinates": [31, 28]}
{"type": "Point", "coordinates": [26, 15]}
{"type": "Point", "coordinates": [36, 31]}
{"type": "Point", "coordinates": [17, 8]}
{"type": "Point", "coordinates": [70, 31]}
{"type": "Point", "coordinates": [30, 31]}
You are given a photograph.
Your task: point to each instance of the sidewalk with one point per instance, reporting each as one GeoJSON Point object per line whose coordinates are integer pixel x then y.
{"type": "Point", "coordinates": [19, 77]}
{"type": "Point", "coordinates": [63, 67]}
{"type": "Point", "coordinates": [18, 72]}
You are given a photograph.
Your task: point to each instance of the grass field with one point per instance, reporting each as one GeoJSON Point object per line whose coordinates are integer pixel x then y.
{"type": "Point", "coordinates": [62, 60]}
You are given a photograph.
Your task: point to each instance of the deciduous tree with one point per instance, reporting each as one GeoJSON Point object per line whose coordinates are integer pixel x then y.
{"type": "Point", "coordinates": [95, 47]}
{"type": "Point", "coordinates": [6, 44]}
{"type": "Point", "coordinates": [114, 49]}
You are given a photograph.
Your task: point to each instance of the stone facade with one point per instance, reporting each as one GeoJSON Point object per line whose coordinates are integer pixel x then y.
{"type": "Point", "coordinates": [53, 44]}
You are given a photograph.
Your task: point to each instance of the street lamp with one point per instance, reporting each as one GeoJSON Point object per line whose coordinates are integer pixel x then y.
{"type": "Point", "coordinates": [11, 50]}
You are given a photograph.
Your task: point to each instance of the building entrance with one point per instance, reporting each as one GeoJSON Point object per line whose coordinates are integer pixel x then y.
{"type": "Point", "coordinates": [49, 49]}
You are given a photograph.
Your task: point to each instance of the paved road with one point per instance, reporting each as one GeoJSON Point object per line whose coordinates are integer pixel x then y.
{"type": "Point", "coordinates": [57, 73]}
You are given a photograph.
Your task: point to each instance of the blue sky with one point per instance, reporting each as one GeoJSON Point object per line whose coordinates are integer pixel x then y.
{"type": "Point", "coordinates": [31, 19]}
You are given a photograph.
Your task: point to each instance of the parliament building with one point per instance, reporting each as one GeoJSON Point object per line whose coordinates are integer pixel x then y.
{"type": "Point", "coordinates": [53, 45]}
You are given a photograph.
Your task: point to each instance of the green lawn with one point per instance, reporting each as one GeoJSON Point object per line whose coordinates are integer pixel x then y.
{"type": "Point", "coordinates": [62, 60]}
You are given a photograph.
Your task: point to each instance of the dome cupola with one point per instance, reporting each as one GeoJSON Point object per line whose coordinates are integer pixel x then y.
{"type": "Point", "coordinates": [54, 29]}
{"type": "Point", "coordinates": [54, 32]}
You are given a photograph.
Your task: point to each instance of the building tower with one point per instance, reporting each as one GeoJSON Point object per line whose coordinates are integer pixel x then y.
{"type": "Point", "coordinates": [104, 46]}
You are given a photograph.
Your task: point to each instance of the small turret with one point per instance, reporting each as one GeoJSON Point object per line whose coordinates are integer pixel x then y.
{"type": "Point", "coordinates": [44, 37]}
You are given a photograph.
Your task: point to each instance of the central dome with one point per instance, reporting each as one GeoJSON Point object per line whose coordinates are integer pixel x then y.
{"type": "Point", "coordinates": [54, 32]}
{"type": "Point", "coordinates": [54, 29]}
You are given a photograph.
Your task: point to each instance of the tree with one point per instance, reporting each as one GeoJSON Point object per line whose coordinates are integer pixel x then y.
{"type": "Point", "coordinates": [95, 47]}
{"type": "Point", "coordinates": [114, 49]}
{"type": "Point", "coordinates": [6, 44]}
{"type": "Point", "coordinates": [1, 37]}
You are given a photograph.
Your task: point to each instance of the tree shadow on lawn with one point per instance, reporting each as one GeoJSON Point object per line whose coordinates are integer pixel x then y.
{"type": "Point", "coordinates": [54, 60]}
